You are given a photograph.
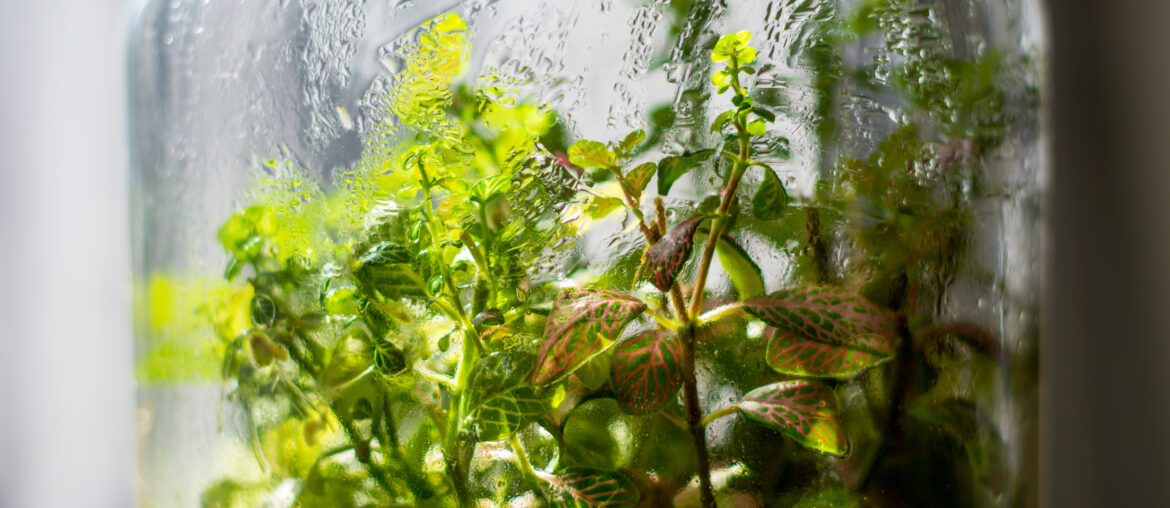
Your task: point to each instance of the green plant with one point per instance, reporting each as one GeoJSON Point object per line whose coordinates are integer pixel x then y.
{"type": "Point", "coordinates": [414, 340]}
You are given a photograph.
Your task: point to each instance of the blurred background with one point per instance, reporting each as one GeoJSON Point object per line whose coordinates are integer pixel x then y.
{"type": "Point", "coordinates": [67, 417]}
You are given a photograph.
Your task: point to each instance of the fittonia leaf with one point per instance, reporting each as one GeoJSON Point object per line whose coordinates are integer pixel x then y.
{"type": "Point", "coordinates": [631, 142]}
{"type": "Point", "coordinates": [805, 411]}
{"type": "Point", "coordinates": [828, 315]}
{"type": "Point", "coordinates": [582, 487]}
{"type": "Point", "coordinates": [591, 154]}
{"type": "Point", "coordinates": [646, 371]}
{"type": "Point", "coordinates": [666, 257]}
{"type": "Point", "coordinates": [638, 177]}
{"type": "Point", "coordinates": [501, 416]}
{"type": "Point", "coordinates": [498, 373]}
{"type": "Point", "coordinates": [582, 322]}
{"type": "Point", "coordinates": [793, 354]}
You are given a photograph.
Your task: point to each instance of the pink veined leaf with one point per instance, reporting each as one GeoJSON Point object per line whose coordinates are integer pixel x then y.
{"type": "Point", "coordinates": [805, 411]}
{"type": "Point", "coordinates": [666, 257]}
{"type": "Point", "coordinates": [828, 315]}
{"type": "Point", "coordinates": [646, 371]}
{"type": "Point", "coordinates": [793, 354]}
{"type": "Point", "coordinates": [582, 487]}
{"type": "Point", "coordinates": [582, 322]}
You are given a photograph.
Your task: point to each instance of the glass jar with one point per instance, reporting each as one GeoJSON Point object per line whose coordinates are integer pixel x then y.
{"type": "Point", "coordinates": [378, 261]}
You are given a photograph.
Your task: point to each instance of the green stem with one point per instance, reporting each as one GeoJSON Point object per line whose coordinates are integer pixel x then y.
{"type": "Point", "coordinates": [719, 413]}
{"type": "Point", "coordinates": [718, 314]}
{"type": "Point", "coordinates": [522, 457]}
{"type": "Point", "coordinates": [718, 228]}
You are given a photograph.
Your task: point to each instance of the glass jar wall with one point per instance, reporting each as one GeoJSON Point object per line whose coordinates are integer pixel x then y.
{"type": "Point", "coordinates": [518, 253]}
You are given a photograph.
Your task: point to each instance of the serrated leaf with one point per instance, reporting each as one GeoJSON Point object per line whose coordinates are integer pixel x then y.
{"type": "Point", "coordinates": [745, 274]}
{"type": "Point", "coordinates": [771, 198]}
{"type": "Point", "coordinates": [632, 141]}
{"type": "Point", "coordinates": [828, 315]}
{"type": "Point", "coordinates": [591, 154]}
{"type": "Point", "coordinates": [666, 257]}
{"type": "Point", "coordinates": [638, 178]}
{"type": "Point", "coordinates": [804, 411]}
{"type": "Point", "coordinates": [582, 323]}
{"type": "Point", "coordinates": [646, 371]}
{"type": "Point", "coordinates": [581, 487]}
{"type": "Point", "coordinates": [792, 354]}
{"type": "Point", "coordinates": [670, 169]}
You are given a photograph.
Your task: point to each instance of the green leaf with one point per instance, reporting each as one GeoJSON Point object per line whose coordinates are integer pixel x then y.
{"type": "Point", "coordinates": [631, 142]}
{"type": "Point", "coordinates": [591, 154]}
{"type": "Point", "coordinates": [756, 127]}
{"type": "Point", "coordinates": [805, 411]}
{"type": "Point", "coordinates": [498, 373]}
{"type": "Point", "coordinates": [792, 354]}
{"type": "Point", "coordinates": [498, 418]}
{"type": "Point", "coordinates": [766, 115]}
{"type": "Point", "coordinates": [501, 416]}
{"type": "Point", "coordinates": [594, 372]}
{"type": "Point", "coordinates": [601, 206]}
{"type": "Point", "coordinates": [384, 253]}
{"type": "Point", "coordinates": [670, 169]}
{"type": "Point", "coordinates": [351, 358]}
{"type": "Point", "coordinates": [666, 257]}
{"type": "Point", "coordinates": [828, 315]}
{"type": "Point", "coordinates": [771, 198]}
{"type": "Point", "coordinates": [721, 121]}
{"type": "Point", "coordinates": [646, 371]}
{"type": "Point", "coordinates": [638, 178]}
{"type": "Point", "coordinates": [388, 358]}
{"type": "Point", "coordinates": [730, 44]}
{"type": "Point", "coordinates": [582, 323]}
{"type": "Point", "coordinates": [491, 187]}
{"type": "Point", "coordinates": [745, 275]}
{"type": "Point", "coordinates": [581, 487]}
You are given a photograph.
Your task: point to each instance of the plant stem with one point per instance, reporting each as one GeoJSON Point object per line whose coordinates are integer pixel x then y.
{"type": "Point", "coordinates": [719, 413]}
{"type": "Point", "coordinates": [721, 222]}
{"type": "Point", "coordinates": [695, 416]}
{"type": "Point", "coordinates": [689, 316]}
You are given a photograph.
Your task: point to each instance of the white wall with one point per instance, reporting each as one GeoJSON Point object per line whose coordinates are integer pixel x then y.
{"type": "Point", "coordinates": [66, 382]}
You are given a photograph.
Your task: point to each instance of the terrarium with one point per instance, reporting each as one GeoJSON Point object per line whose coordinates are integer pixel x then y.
{"type": "Point", "coordinates": [587, 253]}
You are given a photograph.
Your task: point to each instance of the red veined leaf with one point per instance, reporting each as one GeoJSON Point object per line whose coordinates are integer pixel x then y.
{"type": "Point", "coordinates": [666, 257]}
{"type": "Point", "coordinates": [646, 371]}
{"type": "Point", "coordinates": [805, 411]}
{"type": "Point", "coordinates": [582, 487]}
{"type": "Point", "coordinates": [793, 354]}
{"type": "Point", "coordinates": [828, 315]}
{"type": "Point", "coordinates": [582, 323]}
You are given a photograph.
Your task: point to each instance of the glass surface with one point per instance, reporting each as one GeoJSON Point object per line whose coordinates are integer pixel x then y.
{"type": "Point", "coordinates": [905, 141]}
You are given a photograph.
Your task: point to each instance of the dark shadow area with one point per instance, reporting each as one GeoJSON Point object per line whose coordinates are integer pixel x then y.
{"type": "Point", "coordinates": [1106, 347]}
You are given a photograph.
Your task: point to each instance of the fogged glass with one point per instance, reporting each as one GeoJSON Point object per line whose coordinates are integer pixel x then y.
{"type": "Point", "coordinates": [281, 152]}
